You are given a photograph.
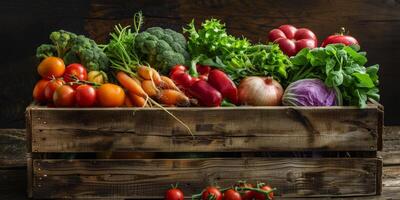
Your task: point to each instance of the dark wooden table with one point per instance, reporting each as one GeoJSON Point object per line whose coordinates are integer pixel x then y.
{"type": "Point", "coordinates": [13, 165]}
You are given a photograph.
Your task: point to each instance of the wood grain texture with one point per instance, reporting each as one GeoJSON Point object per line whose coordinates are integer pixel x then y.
{"type": "Point", "coordinates": [12, 148]}
{"type": "Point", "coordinates": [215, 129]}
{"type": "Point", "coordinates": [26, 25]}
{"type": "Point", "coordinates": [147, 178]}
{"type": "Point", "coordinates": [13, 182]}
{"type": "Point", "coordinates": [391, 144]}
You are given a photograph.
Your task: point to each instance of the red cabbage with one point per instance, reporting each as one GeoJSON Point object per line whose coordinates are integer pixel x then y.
{"type": "Point", "coordinates": [309, 92]}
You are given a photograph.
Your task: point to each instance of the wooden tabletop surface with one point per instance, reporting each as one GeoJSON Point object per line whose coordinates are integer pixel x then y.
{"type": "Point", "coordinates": [13, 165]}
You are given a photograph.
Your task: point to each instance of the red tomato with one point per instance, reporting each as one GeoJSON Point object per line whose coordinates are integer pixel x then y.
{"type": "Point", "coordinates": [38, 91]}
{"type": "Point", "coordinates": [182, 79]}
{"type": "Point", "coordinates": [85, 96]}
{"type": "Point", "coordinates": [291, 40]}
{"type": "Point", "coordinates": [248, 194]}
{"type": "Point", "coordinates": [340, 38]}
{"type": "Point", "coordinates": [64, 96]}
{"type": "Point", "coordinates": [259, 196]}
{"type": "Point", "coordinates": [75, 70]}
{"type": "Point", "coordinates": [211, 191]}
{"type": "Point", "coordinates": [51, 67]}
{"type": "Point", "coordinates": [177, 68]}
{"type": "Point", "coordinates": [174, 194]}
{"type": "Point", "coordinates": [232, 194]}
{"type": "Point", "coordinates": [51, 87]}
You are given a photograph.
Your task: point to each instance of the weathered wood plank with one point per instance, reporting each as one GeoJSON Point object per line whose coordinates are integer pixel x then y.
{"type": "Point", "coordinates": [15, 179]}
{"type": "Point", "coordinates": [391, 145]}
{"type": "Point", "coordinates": [12, 148]}
{"type": "Point", "coordinates": [150, 178]}
{"type": "Point", "coordinates": [215, 129]}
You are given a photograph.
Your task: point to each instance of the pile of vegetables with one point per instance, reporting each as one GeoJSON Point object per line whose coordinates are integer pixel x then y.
{"type": "Point", "coordinates": [204, 66]}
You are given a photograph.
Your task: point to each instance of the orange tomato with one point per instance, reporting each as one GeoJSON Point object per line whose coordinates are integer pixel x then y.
{"type": "Point", "coordinates": [51, 66]}
{"type": "Point", "coordinates": [64, 96]}
{"type": "Point", "coordinates": [38, 91]}
{"type": "Point", "coordinates": [110, 95]}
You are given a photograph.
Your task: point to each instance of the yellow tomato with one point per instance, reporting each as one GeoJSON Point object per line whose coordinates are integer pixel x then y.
{"type": "Point", "coordinates": [97, 77]}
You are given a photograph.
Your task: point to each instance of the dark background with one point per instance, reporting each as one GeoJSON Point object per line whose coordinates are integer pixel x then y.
{"type": "Point", "coordinates": [27, 24]}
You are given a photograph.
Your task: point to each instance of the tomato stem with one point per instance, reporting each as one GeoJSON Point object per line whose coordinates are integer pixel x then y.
{"type": "Point", "coordinates": [82, 82]}
{"type": "Point", "coordinates": [342, 31]}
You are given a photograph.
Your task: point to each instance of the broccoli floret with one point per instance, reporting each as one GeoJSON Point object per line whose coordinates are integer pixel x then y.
{"type": "Point", "coordinates": [90, 55]}
{"type": "Point", "coordinates": [162, 48]}
{"type": "Point", "coordinates": [61, 40]}
{"type": "Point", "coordinates": [46, 50]}
{"type": "Point", "coordinates": [74, 49]}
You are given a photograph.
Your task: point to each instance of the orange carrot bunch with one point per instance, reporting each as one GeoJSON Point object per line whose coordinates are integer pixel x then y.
{"type": "Point", "coordinates": [149, 86]}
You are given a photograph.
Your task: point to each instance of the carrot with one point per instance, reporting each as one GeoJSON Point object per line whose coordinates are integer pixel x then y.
{"type": "Point", "coordinates": [149, 73]}
{"type": "Point", "coordinates": [130, 84]}
{"type": "Point", "coordinates": [137, 101]}
{"type": "Point", "coordinates": [167, 83]}
{"type": "Point", "coordinates": [173, 97]}
{"type": "Point", "coordinates": [149, 87]}
{"type": "Point", "coordinates": [128, 102]}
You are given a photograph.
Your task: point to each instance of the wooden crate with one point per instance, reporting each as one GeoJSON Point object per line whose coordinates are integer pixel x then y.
{"type": "Point", "coordinates": [302, 151]}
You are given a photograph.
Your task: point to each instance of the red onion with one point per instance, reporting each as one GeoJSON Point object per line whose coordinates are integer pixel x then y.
{"type": "Point", "coordinates": [260, 91]}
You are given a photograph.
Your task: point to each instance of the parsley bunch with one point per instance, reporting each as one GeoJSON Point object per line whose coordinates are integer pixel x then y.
{"type": "Point", "coordinates": [212, 45]}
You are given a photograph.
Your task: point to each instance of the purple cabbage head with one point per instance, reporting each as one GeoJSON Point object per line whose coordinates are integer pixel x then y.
{"type": "Point", "coordinates": [309, 92]}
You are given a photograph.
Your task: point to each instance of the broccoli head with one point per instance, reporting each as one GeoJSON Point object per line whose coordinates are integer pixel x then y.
{"type": "Point", "coordinates": [46, 50]}
{"type": "Point", "coordinates": [74, 49]}
{"type": "Point", "coordinates": [88, 53]}
{"type": "Point", "coordinates": [162, 48]}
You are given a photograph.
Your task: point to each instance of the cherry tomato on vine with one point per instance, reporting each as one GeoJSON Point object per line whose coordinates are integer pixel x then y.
{"type": "Point", "coordinates": [259, 196]}
{"type": "Point", "coordinates": [64, 96]}
{"type": "Point", "coordinates": [38, 91]}
{"type": "Point", "coordinates": [75, 70]}
{"type": "Point", "coordinates": [211, 191]}
{"type": "Point", "coordinates": [248, 194]}
{"type": "Point", "coordinates": [232, 194]}
{"type": "Point", "coordinates": [85, 96]}
{"type": "Point", "coordinates": [51, 87]}
{"type": "Point", "coordinates": [174, 194]}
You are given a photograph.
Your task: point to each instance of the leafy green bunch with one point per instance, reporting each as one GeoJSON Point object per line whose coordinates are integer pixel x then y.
{"type": "Point", "coordinates": [341, 67]}
{"type": "Point", "coordinates": [212, 45]}
{"type": "Point", "coordinates": [121, 47]}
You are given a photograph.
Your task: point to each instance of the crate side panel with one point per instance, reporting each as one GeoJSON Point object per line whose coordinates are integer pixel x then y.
{"type": "Point", "coordinates": [239, 129]}
{"type": "Point", "coordinates": [294, 177]}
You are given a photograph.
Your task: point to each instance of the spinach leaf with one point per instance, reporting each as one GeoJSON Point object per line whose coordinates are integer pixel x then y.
{"type": "Point", "coordinates": [341, 67]}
